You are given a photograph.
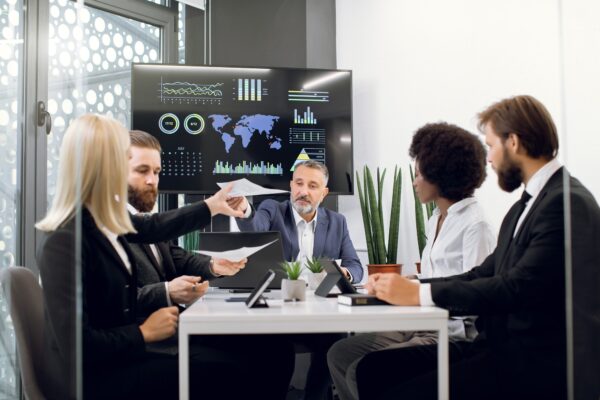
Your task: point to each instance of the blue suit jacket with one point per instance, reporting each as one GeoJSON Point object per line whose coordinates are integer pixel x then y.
{"type": "Point", "coordinates": [331, 234]}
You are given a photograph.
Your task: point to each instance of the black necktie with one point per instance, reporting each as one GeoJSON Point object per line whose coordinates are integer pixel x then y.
{"type": "Point", "coordinates": [522, 204]}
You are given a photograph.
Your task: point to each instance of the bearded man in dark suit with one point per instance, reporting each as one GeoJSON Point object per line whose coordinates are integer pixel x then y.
{"type": "Point", "coordinates": [518, 292]}
{"type": "Point", "coordinates": [169, 275]}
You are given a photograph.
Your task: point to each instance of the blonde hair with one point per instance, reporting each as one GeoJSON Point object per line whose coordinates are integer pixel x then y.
{"type": "Point", "coordinates": [93, 172]}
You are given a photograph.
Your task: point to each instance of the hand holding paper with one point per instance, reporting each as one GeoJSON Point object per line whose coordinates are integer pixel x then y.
{"type": "Point", "coordinates": [243, 187]}
{"type": "Point", "coordinates": [235, 254]}
{"type": "Point", "coordinates": [217, 203]}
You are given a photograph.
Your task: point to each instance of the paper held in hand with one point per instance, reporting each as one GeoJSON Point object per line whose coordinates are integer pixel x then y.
{"type": "Point", "coordinates": [235, 254]}
{"type": "Point", "coordinates": [243, 187]}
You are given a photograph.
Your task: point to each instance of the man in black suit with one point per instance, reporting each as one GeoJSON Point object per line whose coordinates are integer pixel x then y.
{"type": "Point", "coordinates": [165, 271]}
{"type": "Point", "coordinates": [518, 291]}
{"type": "Point", "coordinates": [168, 275]}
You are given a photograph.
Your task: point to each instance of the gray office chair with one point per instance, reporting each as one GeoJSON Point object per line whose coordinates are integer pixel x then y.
{"type": "Point", "coordinates": [24, 296]}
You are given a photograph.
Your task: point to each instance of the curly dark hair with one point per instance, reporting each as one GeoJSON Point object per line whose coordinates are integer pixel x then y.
{"type": "Point", "coordinates": [451, 158]}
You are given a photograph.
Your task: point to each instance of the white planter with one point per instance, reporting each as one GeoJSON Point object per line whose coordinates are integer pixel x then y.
{"type": "Point", "coordinates": [291, 290]}
{"type": "Point", "coordinates": [315, 279]}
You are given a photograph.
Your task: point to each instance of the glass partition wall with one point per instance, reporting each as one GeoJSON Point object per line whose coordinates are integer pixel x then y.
{"type": "Point", "coordinates": [77, 62]}
{"type": "Point", "coordinates": [12, 68]}
{"type": "Point", "coordinates": [90, 57]}
{"type": "Point", "coordinates": [579, 61]}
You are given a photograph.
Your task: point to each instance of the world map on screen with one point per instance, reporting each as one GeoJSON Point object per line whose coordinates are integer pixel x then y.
{"type": "Point", "coordinates": [245, 129]}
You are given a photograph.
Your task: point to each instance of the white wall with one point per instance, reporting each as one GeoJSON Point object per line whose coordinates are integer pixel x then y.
{"type": "Point", "coordinates": [419, 61]}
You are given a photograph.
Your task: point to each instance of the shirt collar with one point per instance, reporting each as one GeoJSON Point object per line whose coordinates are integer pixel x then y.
{"type": "Point", "coordinates": [461, 205]}
{"type": "Point", "coordinates": [132, 209]}
{"type": "Point", "coordinates": [298, 218]}
{"type": "Point", "coordinates": [458, 206]}
{"type": "Point", "coordinates": [108, 233]}
{"type": "Point", "coordinates": [541, 177]}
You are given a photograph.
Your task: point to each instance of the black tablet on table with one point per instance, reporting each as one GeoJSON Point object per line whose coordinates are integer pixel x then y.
{"type": "Point", "coordinates": [335, 277]}
{"type": "Point", "coordinates": [253, 298]}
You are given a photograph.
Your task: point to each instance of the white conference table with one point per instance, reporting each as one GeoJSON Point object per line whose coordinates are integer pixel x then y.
{"type": "Point", "coordinates": [211, 315]}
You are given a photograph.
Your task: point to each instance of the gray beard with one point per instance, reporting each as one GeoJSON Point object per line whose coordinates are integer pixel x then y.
{"type": "Point", "coordinates": [302, 210]}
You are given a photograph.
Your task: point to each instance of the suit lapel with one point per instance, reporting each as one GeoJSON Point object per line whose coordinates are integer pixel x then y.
{"type": "Point", "coordinates": [320, 233]}
{"type": "Point", "coordinates": [531, 212]}
{"type": "Point", "coordinates": [131, 257]}
{"type": "Point", "coordinates": [153, 260]}
{"type": "Point", "coordinates": [290, 224]}
{"type": "Point", "coordinates": [507, 240]}
{"type": "Point", "coordinates": [108, 247]}
{"type": "Point", "coordinates": [168, 265]}
{"type": "Point", "coordinates": [506, 233]}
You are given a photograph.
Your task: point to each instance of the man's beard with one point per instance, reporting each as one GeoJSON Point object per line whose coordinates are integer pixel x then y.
{"type": "Point", "coordinates": [142, 199]}
{"type": "Point", "coordinates": [510, 175]}
{"type": "Point", "coordinates": [302, 210]}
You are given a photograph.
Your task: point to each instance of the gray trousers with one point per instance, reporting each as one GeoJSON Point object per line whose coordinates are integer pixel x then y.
{"type": "Point", "coordinates": [344, 355]}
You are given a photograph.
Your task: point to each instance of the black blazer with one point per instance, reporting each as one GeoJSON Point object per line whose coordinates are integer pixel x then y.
{"type": "Point", "coordinates": [519, 290]}
{"type": "Point", "coordinates": [111, 338]}
{"type": "Point", "coordinates": [151, 277]}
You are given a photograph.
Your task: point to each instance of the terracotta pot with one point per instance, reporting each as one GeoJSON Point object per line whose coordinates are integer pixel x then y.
{"type": "Point", "coordinates": [418, 267]}
{"type": "Point", "coordinates": [384, 268]}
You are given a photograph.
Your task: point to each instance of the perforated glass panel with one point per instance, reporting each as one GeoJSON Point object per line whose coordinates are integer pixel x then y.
{"type": "Point", "coordinates": [181, 32]}
{"type": "Point", "coordinates": [90, 56]}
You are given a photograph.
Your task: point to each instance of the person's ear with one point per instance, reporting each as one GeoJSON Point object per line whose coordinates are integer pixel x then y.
{"type": "Point", "coordinates": [513, 143]}
{"type": "Point", "coordinates": [325, 192]}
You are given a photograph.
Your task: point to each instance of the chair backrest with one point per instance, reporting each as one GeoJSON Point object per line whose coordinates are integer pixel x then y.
{"type": "Point", "coordinates": [24, 296]}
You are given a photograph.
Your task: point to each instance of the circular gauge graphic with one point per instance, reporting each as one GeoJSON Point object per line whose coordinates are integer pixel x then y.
{"type": "Point", "coordinates": [193, 124]}
{"type": "Point", "coordinates": [168, 123]}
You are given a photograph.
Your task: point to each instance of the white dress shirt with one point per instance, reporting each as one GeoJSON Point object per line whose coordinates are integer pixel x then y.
{"type": "Point", "coordinates": [306, 239]}
{"type": "Point", "coordinates": [465, 239]}
{"type": "Point", "coordinates": [535, 186]}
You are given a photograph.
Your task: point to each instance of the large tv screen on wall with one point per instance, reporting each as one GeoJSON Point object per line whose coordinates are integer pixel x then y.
{"type": "Point", "coordinates": [218, 124]}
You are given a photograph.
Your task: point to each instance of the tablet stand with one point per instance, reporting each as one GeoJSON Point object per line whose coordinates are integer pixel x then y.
{"type": "Point", "coordinates": [328, 283]}
{"type": "Point", "coordinates": [261, 302]}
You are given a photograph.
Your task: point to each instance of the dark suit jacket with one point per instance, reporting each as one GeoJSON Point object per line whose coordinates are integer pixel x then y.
{"type": "Point", "coordinates": [519, 290]}
{"type": "Point", "coordinates": [332, 239]}
{"type": "Point", "coordinates": [111, 338]}
{"type": "Point", "coordinates": [151, 277]}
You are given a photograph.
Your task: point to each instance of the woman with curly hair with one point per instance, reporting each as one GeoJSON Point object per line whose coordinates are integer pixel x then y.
{"type": "Point", "coordinates": [449, 166]}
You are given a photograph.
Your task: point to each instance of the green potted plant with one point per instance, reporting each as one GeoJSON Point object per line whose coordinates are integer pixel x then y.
{"type": "Point", "coordinates": [382, 256]}
{"type": "Point", "coordinates": [420, 218]}
{"type": "Point", "coordinates": [317, 273]}
{"type": "Point", "coordinates": [293, 288]}
{"type": "Point", "coordinates": [191, 241]}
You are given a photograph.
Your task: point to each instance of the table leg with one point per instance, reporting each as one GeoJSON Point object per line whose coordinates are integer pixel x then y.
{"type": "Point", "coordinates": [443, 365]}
{"type": "Point", "coordinates": [184, 365]}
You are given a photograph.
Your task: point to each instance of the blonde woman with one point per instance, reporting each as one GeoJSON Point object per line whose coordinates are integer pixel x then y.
{"type": "Point", "coordinates": [87, 229]}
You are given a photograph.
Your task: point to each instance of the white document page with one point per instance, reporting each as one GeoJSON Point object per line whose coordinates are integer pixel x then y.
{"type": "Point", "coordinates": [235, 254]}
{"type": "Point", "coordinates": [243, 187]}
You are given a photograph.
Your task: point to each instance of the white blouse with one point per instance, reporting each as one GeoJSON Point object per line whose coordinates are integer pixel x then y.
{"type": "Point", "coordinates": [463, 242]}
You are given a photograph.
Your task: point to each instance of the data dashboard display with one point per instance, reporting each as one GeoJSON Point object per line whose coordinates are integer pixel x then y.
{"type": "Point", "coordinates": [218, 124]}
